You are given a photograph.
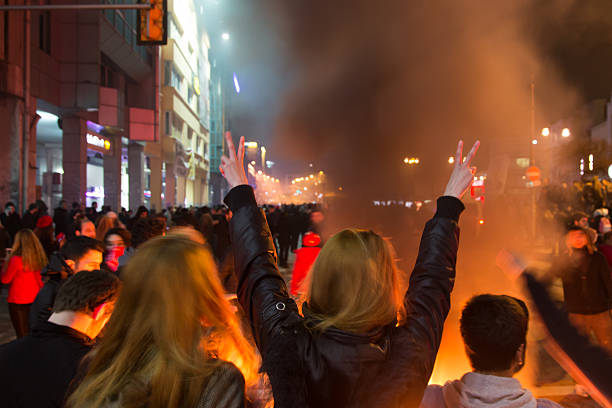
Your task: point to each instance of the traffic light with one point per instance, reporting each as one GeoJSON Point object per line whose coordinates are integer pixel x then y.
{"type": "Point", "coordinates": [153, 23]}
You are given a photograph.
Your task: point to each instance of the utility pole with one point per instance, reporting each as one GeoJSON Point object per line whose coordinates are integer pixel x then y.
{"type": "Point", "coordinates": [532, 157]}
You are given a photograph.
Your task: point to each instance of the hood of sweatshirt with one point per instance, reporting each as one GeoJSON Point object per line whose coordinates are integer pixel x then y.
{"type": "Point", "coordinates": [476, 390]}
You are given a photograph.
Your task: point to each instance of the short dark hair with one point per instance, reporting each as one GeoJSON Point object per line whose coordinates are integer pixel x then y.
{"type": "Point", "coordinates": [125, 235]}
{"type": "Point", "coordinates": [85, 291]}
{"type": "Point", "coordinates": [77, 247]}
{"type": "Point", "coordinates": [493, 328]}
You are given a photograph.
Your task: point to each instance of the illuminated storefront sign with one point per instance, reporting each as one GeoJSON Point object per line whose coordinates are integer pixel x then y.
{"type": "Point", "coordinates": [98, 142]}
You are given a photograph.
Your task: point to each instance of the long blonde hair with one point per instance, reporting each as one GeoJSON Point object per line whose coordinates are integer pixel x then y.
{"type": "Point", "coordinates": [169, 322]}
{"type": "Point", "coordinates": [354, 284]}
{"type": "Point", "coordinates": [28, 247]}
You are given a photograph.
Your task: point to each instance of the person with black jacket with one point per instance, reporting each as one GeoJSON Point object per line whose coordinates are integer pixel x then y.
{"type": "Point", "coordinates": [586, 362]}
{"type": "Point", "coordinates": [347, 347]}
{"type": "Point", "coordinates": [587, 286]}
{"type": "Point", "coordinates": [77, 255]}
{"type": "Point", "coordinates": [36, 371]}
{"type": "Point", "coordinates": [10, 219]}
{"type": "Point", "coordinates": [61, 219]}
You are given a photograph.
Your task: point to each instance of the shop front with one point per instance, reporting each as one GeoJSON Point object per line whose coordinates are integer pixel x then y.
{"type": "Point", "coordinates": [98, 147]}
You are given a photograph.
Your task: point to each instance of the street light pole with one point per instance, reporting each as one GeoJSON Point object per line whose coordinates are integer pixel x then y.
{"type": "Point", "coordinates": [532, 157]}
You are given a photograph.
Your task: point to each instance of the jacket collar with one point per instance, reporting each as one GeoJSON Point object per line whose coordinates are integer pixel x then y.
{"type": "Point", "coordinates": [378, 335]}
{"type": "Point", "coordinates": [48, 329]}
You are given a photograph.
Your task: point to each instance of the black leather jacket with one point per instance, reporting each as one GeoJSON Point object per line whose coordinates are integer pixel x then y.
{"type": "Point", "coordinates": [388, 367]}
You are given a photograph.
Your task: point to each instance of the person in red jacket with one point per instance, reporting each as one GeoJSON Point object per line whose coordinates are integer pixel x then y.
{"type": "Point", "coordinates": [304, 259]}
{"type": "Point", "coordinates": [22, 273]}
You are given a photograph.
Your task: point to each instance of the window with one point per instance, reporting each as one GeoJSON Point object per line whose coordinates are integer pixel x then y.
{"type": "Point", "coordinates": [44, 31]}
{"type": "Point", "coordinates": [167, 124]}
{"type": "Point", "coordinates": [177, 80]}
{"type": "Point", "coordinates": [190, 94]}
{"type": "Point", "coordinates": [189, 133]}
{"type": "Point", "coordinates": [167, 72]}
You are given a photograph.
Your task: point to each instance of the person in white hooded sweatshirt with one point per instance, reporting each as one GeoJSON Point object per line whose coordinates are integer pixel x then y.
{"type": "Point", "coordinates": [494, 330]}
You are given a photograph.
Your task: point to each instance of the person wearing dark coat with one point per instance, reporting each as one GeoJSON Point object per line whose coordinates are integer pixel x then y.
{"type": "Point", "coordinates": [587, 286]}
{"type": "Point", "coordinates": [30, 217]}
{"type": "Point", "coordinates": [308, 366]}
{"type": "Point", "coordinates": [36, 371]}
{"type": "Point", "coordinates": [586, 362]}
{"type": "Point", "coordinates": [61, 218]}
{"type": "Point", "coordinates": [10, 219]}
{"type": "Point", "coordinates": [77, 255]}
{"type": "Point", "coordinates": [284, 237]}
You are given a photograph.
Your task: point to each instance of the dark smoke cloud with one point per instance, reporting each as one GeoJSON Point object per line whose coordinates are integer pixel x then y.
{"type": "Point", "coordinates": [375, 82]}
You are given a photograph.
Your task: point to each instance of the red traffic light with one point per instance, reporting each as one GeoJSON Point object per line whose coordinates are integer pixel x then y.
{"type": "Point", "coordinates": [153, 23]}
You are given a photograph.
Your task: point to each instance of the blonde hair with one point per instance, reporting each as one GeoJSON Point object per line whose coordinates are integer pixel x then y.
{"type": "Point", "coordinates": [28, 247]}
{"type": "Point", "coordinates": [170, 326]}
{"type": "Point", "coordinates": [354, 284]}
{"type": "Point", "coordinates": [103, 224]}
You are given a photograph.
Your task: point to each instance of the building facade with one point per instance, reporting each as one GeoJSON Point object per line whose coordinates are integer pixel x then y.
{"type": "Point", "coordinates": [185, 133]}
{"type": "Point", "coordinates": [87, 96]}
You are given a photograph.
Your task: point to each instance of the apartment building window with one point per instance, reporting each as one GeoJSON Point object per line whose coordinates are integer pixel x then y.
{"type": "Point", "coordinates": [177, 80]}
{"type": "Point", "coordinates": [190, 94]}
{"type": "Point", "coordinates": [167, 73]}
{"type": "Point", "coordinates": [167, 124]}
{"type": "Point", "coordinates": [44, 31]}
{"type": "Point", "coordinates": [189, 133]}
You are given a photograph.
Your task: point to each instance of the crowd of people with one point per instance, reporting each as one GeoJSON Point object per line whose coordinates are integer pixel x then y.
{"type": "Point", "coordinates": [188, 308]}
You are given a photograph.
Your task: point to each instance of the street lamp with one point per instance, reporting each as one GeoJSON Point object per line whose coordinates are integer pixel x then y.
{"type": "Point", "coordinates": [545, 132]}
{"type": "Point", "coordinates": [534, 141]}
{"type": "Point", "coordinates": [565, 132]}
{"type": "Point", "coordinates": [451, 160]}
{"type": "Point", "coordinates": [225, 36]}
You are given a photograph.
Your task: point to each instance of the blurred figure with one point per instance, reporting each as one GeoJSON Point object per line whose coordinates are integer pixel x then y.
{"type": "Point", "coordinates": [22, 273]}
{"type": "Point", "coordinates": [115, 243]}
{"type": "Point", "coordinates": [77, 255]}
{"type": "Point", "coordinates": [84, 227]}
{"type": "Point", "coordinates": [30, 217]}
{"type": "Point", "coordinates": [494, 330]}
{"type": "Point", "coordinates": [141, 213]}
{"type": "Point", "coordinates": [170, 324]}
{"type": "Point", "coordinates": [105, 223]}
{"type": "Point", "coordinates": [10, 219]}
{"type": "Point", "coordinates": [36, 371]}
{"type": "Point", "coordinates": [284, 238]}
{"type": "Point", "coordinates": [304, 259]}
{"type": "Point", "coordinates": [606, 247]}
{"type": "Point", "coordinates": [587, 286]}
{"type": "Point", "coordinates": [5, 244]}
{"type": "Point", "coordinates": [45, 233]}
{"type": "Point", "coordinates": [92, 212]}
{"type": "Point", "coordinates": [61, 218]}
{"type": "Point", "coordinates": [581, 220]}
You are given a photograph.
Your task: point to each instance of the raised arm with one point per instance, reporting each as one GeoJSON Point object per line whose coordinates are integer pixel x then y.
{"type": "Point", "coordinates": [261, 289]}
{"type": "Point", "coordinates": [415, 342]}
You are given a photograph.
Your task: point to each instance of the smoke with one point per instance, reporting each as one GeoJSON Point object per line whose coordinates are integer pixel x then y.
{"type": "Point", "coordinates": [377, 82]}
{"type": "Point", "coordinates": [374, 82]}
